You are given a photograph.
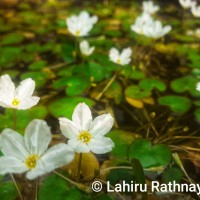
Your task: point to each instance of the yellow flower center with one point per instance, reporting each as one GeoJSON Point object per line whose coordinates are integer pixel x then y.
{"type": "Point", "coordinates": [118, 61]}
{"type": "Point", "coordinates": [77, 32]}
{"type": "Point", "coordinates": [85, 137]}
{"type": "Point", "coordinates": [15, 102]}
{"type": "Point", "coordinates": [31, 161]}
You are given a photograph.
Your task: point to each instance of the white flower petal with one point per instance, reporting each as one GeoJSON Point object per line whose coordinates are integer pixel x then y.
{"type": "Point", "coordinates": [114, 54]}
{"type": "Point", "coordinates": [101, 125]}
{"type": "Point", "coordinates": [27, 103]}
{"type": "Point", "coordinates": [38, 171]}
{"type": "Point", "coordinates": [7, 90]}
{"type": "Point", "coordinates": [25, 89]}
{"type": "Point", "coordinates": [100, 145]}
{"type": "Point", "coordinates": [13, 144]}
{"type": "Point", "coordinates": [57, 156]}
{"type": "Point", "coordinates": [78, 146]}
{"type": "Point", "coordinates": [68, 128]}
{"type": "Point", "coordinates": [11, 165]}
{"type": "Point", "coordinates": [82, 116]}
{"type": "Point", "coordinates": [37, 136]}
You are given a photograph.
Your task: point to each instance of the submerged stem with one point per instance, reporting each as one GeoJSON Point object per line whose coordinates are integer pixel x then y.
{"type": "Point", "coordinates": [16, 186]}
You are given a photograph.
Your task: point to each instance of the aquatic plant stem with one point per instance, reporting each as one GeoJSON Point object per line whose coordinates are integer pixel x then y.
{"type": "Point", "coordinates": [79, 166]}
{"type": "Point", "coordinates": [16, 186]}
{"type": "Point", "coordinates": [65, 178]}
{"type": "Point", "coordinates": [36, 188]}
{"type": "Point", "coordinates": [14, 118]}
{"type": "Point", "coordinates": [76, 47]}
{"type": "Point", "coordinates": [149, 120]}
{"type": "Point", "coordinates": [108, 84]}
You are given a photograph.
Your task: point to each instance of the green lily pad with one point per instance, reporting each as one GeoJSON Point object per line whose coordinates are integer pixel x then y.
{"type": "Point", "coordinates": [96, 71]}
{"type": "Point", "coordinates": [76, 85]}
{"type": "Point", "coordinates": [23, 117]}
{"type": "Point", "coordinates": [177, 104]}
{"type": "Point", "coordinates": [172, 174]}
{"type": "Point", "coordinates": [197, 114]}
{"type": "Point", "coordinates": [136, 92]}
{"type": "Point", "coordinates": [114, 92]}
{"type": "Point", "coordinates": [65, 106]}
{"type": "Point", "coordinates": [150, 84]}
{"type": "Point", "coordinates": [55, 188]}
{"type": "Point", "coordinates": [12, 38]}
{"type": "Point", "coordinates": [9, 56]}
{"type": "Point", "coordinates": [133, 73]}
{"type": "Point", "coordinates": [150, 156]}
{"type": "Point", "coordinates": [39, 77]}
{"type": "Point", "coordinates": [8, 191]}
{"type": "Point", "coordinates": [122, 140]}
{"type": "Point", "coordinates": [37, 65]}
{"type": "Point", "coordinates": [186, 84]}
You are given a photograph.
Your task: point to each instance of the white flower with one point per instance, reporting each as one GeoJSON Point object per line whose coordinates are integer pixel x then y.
{"type": "Point", "coordinates": [149, 7]}
{"type": "Point", "coordinates": [21, 97]}
{"type": "Point", "coordinates": [198, 86]}
{"type": "Point", "coordinates": [186, 3]}
{"type": "Point", "coordinates": [143, 20]}
{"type": "Point", "coordinates": [30, 153]}
{"type": "Point", "coordinates": [156, 30]}
{"type": "Point", "coordinates": [80, 25]}
{"type": "Point", "coordinates": [122, 59]}
{"type": "Point", "coordinates": [86, 134]}
{"type": "Point", "coordinates": [195, 10]}
{"type": "Point", "coordinates": [85, 48]}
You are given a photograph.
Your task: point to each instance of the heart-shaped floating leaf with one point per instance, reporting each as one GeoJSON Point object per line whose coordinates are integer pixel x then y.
{"type": "Point", "coordinates": [136, 92]}
{"type": "Point", "coordinates": [76, 85]}
{"type": "Point", "coordinates": [150, 84]}
{"type": "Point", "coordinates": [172, 174]}
{"type": "Point", "coordinates": [65, 106]}
{"type": "Point", "coordinates": [184, 84]}
{"type": "Point", "coordinates": [148, 155]}
{"type": "Point", "coordinates": [133, 73]}
{"type": "Point", "coordinates": [177, 104]}
{"type": "Point", "coordinates": [197, 114]}
{"type": "Point", "coordinates": [122, 140]}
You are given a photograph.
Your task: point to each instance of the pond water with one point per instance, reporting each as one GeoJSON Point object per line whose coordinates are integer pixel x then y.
{"type": "Point", "coordinates": [144, 70]}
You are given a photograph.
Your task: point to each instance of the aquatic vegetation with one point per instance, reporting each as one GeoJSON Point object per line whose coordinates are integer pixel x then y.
{"type": "Point", "coordinates": [80, 25]}
{"type": "Point", "coordinates": [85, 134]}
{"type": "Point", "coordinates": [85, 49]}
{"type": "Point", "coordinates": [21, 97]}
{"type": "Point", "coordinates": [122, 59]}
{"type": "Point", "coordinates": [30, 153]}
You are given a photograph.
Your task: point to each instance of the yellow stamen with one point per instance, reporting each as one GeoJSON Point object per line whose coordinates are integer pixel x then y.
{"type": "Point", "coordinates": [31, 161]}
{"type": "Point", "coordinates": [77, 32]}
{"type": "Point", "coordinates": [15, 102]}
{"type": "Point", "coordinates": [118, 61]}
{"type": "Point", "coordinates": [85, 137]}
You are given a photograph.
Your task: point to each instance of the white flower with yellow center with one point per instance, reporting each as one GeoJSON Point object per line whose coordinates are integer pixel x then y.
{"type": "Point", "coordinates": [186, 3]}
{"type": "Point", "coordinates": [30, 153]}
{"type": "Point", "coordinates": [156, 30]}
{"type": "Point", "coordinates": [195, 10]}
{"type": "Point", "coordinates": [141, 22]}
{"type": "Point", "coordinates": [21, 97]}
{"type": "Point", "coordinates": [85, 134]}
{"type": "Point", "coordinates": [149, 7]}
{"type": "Point", "coordinates": [122, 58]}
{"type": "Point", "coordinates": [85, 48]}
{"type": "Point", "coordinates": [80, 25]}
